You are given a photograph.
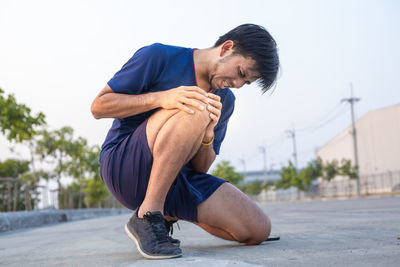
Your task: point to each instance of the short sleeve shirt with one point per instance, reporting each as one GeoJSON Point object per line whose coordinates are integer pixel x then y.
{"type": "Point", "coordinates": [155, 68]}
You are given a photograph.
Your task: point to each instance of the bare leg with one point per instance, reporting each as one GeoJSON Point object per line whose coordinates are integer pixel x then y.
{"type": "Point", "coordinates": [173, 137]}
{"type": "Point", "coordinates": [230, 214]}
{"type": "Point", "coordinates": [217, 232]}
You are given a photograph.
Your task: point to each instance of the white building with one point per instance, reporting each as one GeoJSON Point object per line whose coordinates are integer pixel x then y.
{"type": "Point", "coordinates": [378, 139]}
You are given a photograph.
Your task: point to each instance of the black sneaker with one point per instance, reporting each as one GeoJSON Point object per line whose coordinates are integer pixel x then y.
{"type": "Point", "coordinates": [151, 237]}
{"type": "Point", "coordinates": [170, 230]}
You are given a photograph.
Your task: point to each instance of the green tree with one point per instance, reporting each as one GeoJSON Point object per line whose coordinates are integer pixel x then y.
{"type": "Point", "coordinates": [268, 185]}
{"type": "Point", "coordinates": [12, 168]}
{"type": "Point", "coordinates": [330, 169]}
{"type": "Point", "coordinates": [225, 171]}
{"type": "Point", "coordinates": [16, 121]}
{"type": "Point", "coordinates": [10, 191]}
{"type": "Point", "coordinates": [316, 168]}
{"type": "Point", "coordinates": [301, 180]}
{"type": "Point", "coordinates": [252, 188]}
{"type": "Point", "coordinates": [96, 191]}
{"type": "Point", "coordinates": [73, 157]}
{"type": "Point", "coordinates": [85, 167]}
{"type": "Point", "coordinates": [347, 169]}
{"type": "Point", "coordinates": [77, 166]}
{"type": "Point", "coordinates": [311, 172]}
{"type": "Point", "coordinates": [288, 177]}
{"type": "Point", "coordinates": [18, 124]}
{"type": "Point", "coordinates": [57, 147]}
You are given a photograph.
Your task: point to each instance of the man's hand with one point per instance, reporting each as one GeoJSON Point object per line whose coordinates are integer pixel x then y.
{"type": "Point", "coordinates": [205, 156]}
{"type": "Point", "coordinates": [182, 97]}
{"type": "Point", "coordinates": [214, 107]}
{"type": "Point", "coordinates": [187, 97]}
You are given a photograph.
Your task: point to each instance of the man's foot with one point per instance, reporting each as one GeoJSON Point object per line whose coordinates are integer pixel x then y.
{"type": "Point", "coordinates": [151, 237]}
{"type": "Point", "coordinates": [170, 230]}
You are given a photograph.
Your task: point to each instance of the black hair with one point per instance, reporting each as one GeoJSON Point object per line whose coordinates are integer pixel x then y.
{"type": "Point", "coordinates": [254, 41]}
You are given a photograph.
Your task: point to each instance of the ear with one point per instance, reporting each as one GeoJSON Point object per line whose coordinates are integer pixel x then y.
{"type": "Point", "coordinates": [226, 48]}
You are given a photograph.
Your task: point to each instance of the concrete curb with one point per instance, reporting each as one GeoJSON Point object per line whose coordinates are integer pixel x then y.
{"type": "Point", "coordinates": [26, 219]}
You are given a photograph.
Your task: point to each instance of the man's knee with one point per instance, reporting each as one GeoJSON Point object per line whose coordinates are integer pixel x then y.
{"type": "Point", "coordinates": [255, 232]}
{"type": "Point", "coordinates": [261, 233]}
{"type": "Point", "coordinates": [197, 121]}
{"type": "Point", "coordinates": [200, 118]}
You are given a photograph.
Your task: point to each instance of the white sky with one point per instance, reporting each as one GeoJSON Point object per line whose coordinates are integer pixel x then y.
{"type": "Point", "coordinates": [55, 56]}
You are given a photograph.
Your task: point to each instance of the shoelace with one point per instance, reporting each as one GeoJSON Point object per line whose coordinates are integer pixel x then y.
{"type": "Point", "coordinates": [170, 226]}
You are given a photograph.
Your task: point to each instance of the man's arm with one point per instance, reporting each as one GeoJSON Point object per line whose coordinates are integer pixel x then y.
{"type": "Point", "coordinates": [109, 104]}
{"type": "Point", "coordinates": [205, 156]}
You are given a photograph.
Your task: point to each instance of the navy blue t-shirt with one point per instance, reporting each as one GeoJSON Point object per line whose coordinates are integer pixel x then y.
{"type": "Point", "coordinates": [155, 68]}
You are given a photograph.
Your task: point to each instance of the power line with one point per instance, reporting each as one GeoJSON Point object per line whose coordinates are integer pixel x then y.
{"type": "Point", "coordinates": [326, 120]}
{"type": "Point", "coordinates": [333, 114]}
{"type": "Point", "coordinates": [333, 110]}
{"type": "Point", "coordinates": [277, 141]}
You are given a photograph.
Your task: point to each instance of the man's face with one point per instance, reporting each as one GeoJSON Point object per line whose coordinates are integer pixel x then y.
{"type": "Point", "coordinates": [233, 71]}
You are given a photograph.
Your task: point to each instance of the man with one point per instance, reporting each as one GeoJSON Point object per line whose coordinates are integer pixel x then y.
{"type": "Point", "coordinates": [171, 107]}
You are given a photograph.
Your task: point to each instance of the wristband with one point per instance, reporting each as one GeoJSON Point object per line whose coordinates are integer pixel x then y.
{"type": "Point", "coordinates": [207, 144]}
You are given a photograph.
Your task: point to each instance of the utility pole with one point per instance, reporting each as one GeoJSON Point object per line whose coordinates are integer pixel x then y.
{"type": "Point", "coordinates": [263, 150]}
{"type": "Point", "coordinates": [292, 134]}
{"type": "Point", "coordinates": [352, 100]}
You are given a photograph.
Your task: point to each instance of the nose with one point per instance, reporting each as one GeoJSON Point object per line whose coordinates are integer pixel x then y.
{"type": "Point", "coordinates": [237, 83]}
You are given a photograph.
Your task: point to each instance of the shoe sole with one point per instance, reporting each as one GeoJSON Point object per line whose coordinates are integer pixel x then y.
{"type": "Point", "coordinates": [144, 254]}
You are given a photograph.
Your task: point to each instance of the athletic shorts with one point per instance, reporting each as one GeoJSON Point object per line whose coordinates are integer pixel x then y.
{"type": "Point", "coordinates": [125, 169]}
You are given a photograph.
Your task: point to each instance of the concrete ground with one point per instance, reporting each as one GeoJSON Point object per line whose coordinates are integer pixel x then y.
{"type": "Point", "coordinates": [351, 232]}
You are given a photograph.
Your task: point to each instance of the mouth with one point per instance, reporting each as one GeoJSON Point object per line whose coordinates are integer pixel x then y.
{"type": "Point", "coordinates": [224, 84]}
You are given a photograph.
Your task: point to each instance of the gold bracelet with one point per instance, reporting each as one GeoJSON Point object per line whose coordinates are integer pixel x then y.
{"type": "Point", "coordinates": [207, 144]}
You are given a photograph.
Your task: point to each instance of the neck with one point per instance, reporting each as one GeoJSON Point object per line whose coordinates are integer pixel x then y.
{"type": "Point", "coordinates": [203, 63]}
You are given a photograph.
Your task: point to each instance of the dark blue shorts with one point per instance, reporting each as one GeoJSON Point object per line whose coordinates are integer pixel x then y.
{"type": "Point", "coordinates": [126, 167]}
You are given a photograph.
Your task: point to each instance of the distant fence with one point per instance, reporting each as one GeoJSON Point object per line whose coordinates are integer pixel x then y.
{"type": "Point", "coordinates": [11, 193]}
{"type": "Point", "coordinates": [369, 184]}
{"type": "Point", "coordinates": [14, 194]}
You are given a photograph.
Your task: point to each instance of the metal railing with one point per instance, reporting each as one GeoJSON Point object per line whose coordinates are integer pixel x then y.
{"type": "Point", "coordinates": [13, 193]}
{"type": "Point", "coordinates": [12, 190]}
{"type": "Point", "coordinates": [379, 183]}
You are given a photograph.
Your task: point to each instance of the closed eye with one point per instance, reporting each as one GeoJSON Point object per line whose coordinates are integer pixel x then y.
{"type": "Point", "coordinates": [243, 75]}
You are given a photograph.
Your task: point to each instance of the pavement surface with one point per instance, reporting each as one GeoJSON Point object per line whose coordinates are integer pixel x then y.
{"type": "Point", "coordinates": [349, 232]}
